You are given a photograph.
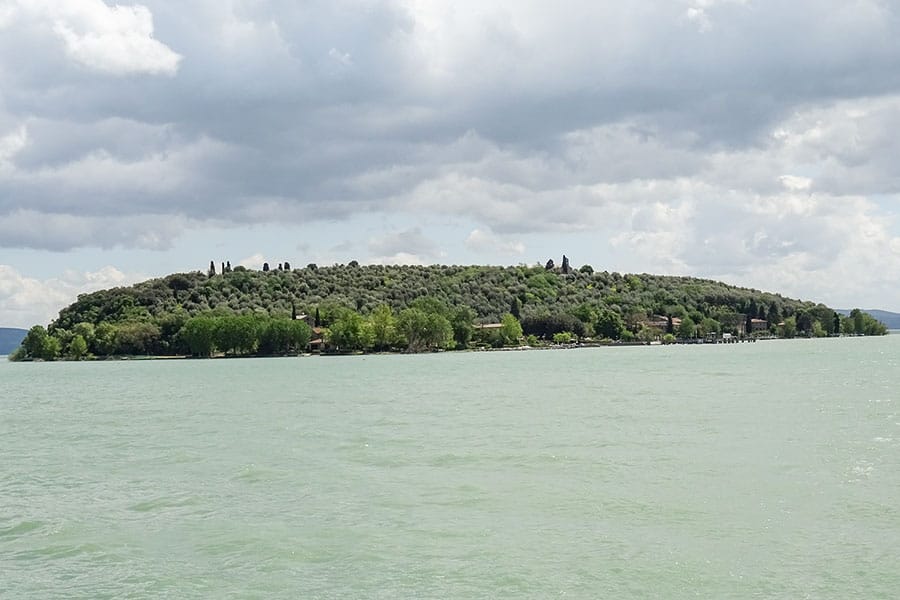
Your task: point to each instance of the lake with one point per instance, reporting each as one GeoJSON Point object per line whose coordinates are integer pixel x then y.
{"type": "Point", "coordinates": [767, 470]}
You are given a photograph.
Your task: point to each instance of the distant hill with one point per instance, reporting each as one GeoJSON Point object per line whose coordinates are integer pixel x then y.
{"type": "Point", "coordinates": [10, 339]}
{"type": "Point", "coordinates": [240, 310]}
{"type": "Point", "coordinates": [890, 319]}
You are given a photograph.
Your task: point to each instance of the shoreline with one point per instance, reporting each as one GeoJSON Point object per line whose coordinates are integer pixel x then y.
{"type": "Point", "coordinates": [575, 346]}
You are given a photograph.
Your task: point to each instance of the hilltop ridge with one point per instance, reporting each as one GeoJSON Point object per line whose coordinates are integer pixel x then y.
{"type": "Point", "coordinates": [542, 301]}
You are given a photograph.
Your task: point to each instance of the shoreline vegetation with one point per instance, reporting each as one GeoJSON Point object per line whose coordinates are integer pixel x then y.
{"type": "Point", "coordinates": [352, 309]}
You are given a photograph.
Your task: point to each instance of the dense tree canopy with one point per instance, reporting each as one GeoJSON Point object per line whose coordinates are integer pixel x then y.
{"type": "Point", "coordinates": [376, 307]}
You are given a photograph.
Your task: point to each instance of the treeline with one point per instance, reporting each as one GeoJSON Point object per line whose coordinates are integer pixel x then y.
{"type": "Point", "coordinates": [488, 291]}
{"type": "Point", "coordinates": [414, 308]}
{"type": "Point", "coordinates": [173, 335]}
{"type": "Point", "coordinates": [426, 325]}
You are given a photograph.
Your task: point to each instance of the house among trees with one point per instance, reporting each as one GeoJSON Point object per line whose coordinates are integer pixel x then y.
{"type": "Point", "coordinates": [758, 325]}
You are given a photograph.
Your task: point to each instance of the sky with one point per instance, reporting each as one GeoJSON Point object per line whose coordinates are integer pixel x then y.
{"type": "Point", "coordinates": [749, 141]}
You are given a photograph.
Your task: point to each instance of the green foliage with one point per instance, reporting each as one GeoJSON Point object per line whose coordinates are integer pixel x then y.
{"type": "Point", "coordinates": [199, 335]}
{"type": "Point", "coordinates": [137, 338]}
{"type": "Point", "coordinates": [687, 329]}
{"type": "Point", "coordinates": [789, 329]}
{"type": "Point", "coordinates": [35, 341]}
{"type": "Point", "coordinates": [51, 349]}
{"type": "Point", "coordinates": [152, 317]}
{"type": "Point", "coordinates": [545, 325]}
{"type": "Point", "coordinates": [383, 325]}
{"type": "Point", "coordinates": [423, 330]}
{"type": "Point", "coordinates": [862, 323]}
{"type": "Point", "coordinates": [510, 330]}
{"type": "Point", "coordinates": [351, 332]}
{"type": "Point", "coordinates": [461, 322]}
{"type": "Point", "coordinates": [236, 334]}
{"type": "Point", "coordinates": [78, 348]}
{"type": "Point", "coordinates": [818, 330]}
{"type": "Point", "coordinates": [563, 337]}
{"type": "Point", "coordinates": [609, 324]}
{"type": "Point", "coordinates": [709, 326]}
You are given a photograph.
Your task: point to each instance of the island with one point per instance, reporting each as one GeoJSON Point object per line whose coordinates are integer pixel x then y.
{"type": "Point", "coordinates": [353, 308]}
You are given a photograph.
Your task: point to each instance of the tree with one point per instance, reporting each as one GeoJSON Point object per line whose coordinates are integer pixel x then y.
{"type": "Point", "coordinates": [859, 321]}
{"type": "Point", "coordinates": [510, 330]}
{"type": "Point", "coordinates": [34, 342]}
{"type": "Point", "coordinates": [104, 343]}
{"type": "Point", "coordinates": [199, 335]}
{"type": "Point", "coordinates": [461, 321]}
{"type": "Point", "coordinates": [789, 329]}
{"type": "Point", "coordinates": [709, 326]}
{"type": "Point", "coordinates": [586, 269]}
{"type": "Point", "coordinates": [818, 330]}
{"type": "Point", "coordinates": [136, 338]}
{"type": "Point", "coordinates": [351, 332]}
{"type": "Point", "coordinates": [235, 333]}
{"type": "Point", "coordinates": [565, 269]}
{"type": "Point", "coordinates": [300, 334]}
{"type": "Point", "coordinates": [78, 348]}
{"type": "Point", "coordinates": [273, 336]}
{"type": "Point", "coordinates": [383, 324]}
{"type": "Point", "coordinates": [687, 329]}
{"type": "Point", "coordinates": [86, 331]}
{"type": "Point", "coordinates": [550, 265]}
{"type": "Point", "coordinates": [609, 324]}
{"type": "Point", "coordinates": [51, 348]}
{"type": "Point", "coordinates": [563, 337]}
{"type": "Point", "coordinates": [424, 330]}
{"type": "Point", "coordinates": [837, 323]}
{"type": "Point", "coordinates": [774, 315]}
{"type": "Point", "coordinates": [212, 268]}
{"type": "Point", "coordinates": [515, 308]}
{"type": "Point", "coordinates": [287, 266]}
{"type": "Point", "coordinates": [265, 267]}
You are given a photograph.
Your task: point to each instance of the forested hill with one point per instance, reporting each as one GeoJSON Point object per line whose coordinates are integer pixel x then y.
{"type": "Point", "coordinates": [349, 308]}
{"type": "Point", "coordinates": [489, 291]}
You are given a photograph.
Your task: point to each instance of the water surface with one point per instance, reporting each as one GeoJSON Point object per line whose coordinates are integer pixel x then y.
{"type": "Point", "coordinates": [766, 470]}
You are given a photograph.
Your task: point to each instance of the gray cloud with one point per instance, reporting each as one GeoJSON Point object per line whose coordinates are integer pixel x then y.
{"type": "Point", "coordinates": [410, 241]}
{"type": "Point", "coordinates": [583, 117]}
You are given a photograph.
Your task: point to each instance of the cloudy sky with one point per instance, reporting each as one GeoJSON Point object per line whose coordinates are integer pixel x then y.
{"type": "Point", "coordinates": [752, 141]}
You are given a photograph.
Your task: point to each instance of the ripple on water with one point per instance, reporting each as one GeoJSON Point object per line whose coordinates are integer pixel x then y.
{"type": "Point", "coordinates": [164, 502]}
{"type": "Point", "coordinates": [20, 529]}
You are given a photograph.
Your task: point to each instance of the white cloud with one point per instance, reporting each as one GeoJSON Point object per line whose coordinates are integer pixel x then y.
{"type": "Point", "coordinates": [400, 258]}
{"type": "Point", "coordinates": [112, 39]}
{"type": "Point", "coordinates": [28, 301]}
{"type": "Point", "coordinates": [254, 261]}
{"type": "Point", "coordinates": [410, 242]}
{"type": "Point", "coordinates": [11, 144]}
{"type": "Point", "coordinates": [617, 122]}
{"type": "Point", "coordinates": [485, 242]}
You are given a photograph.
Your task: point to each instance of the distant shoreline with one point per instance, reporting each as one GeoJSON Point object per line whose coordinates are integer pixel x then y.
{"type": "Point", "coordinates": [578, 346]}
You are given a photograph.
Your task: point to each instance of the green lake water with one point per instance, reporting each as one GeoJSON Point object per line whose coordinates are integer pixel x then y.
{"type": "Point", "coordinates": [768, 470]}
